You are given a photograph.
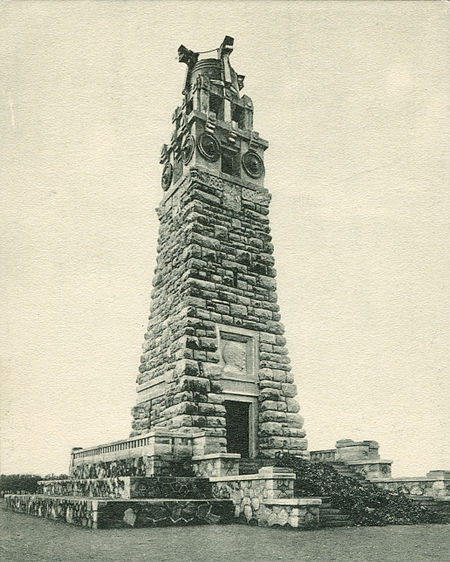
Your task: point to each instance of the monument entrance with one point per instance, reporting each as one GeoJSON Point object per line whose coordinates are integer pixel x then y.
{"type": "Point", "coordinates": [238, 427]}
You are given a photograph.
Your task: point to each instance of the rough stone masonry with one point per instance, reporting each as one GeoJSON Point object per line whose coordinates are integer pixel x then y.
{"type": "Point", "coordinates": [215, 356]}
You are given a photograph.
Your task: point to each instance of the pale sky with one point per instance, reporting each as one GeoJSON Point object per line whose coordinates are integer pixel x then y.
{"type": "Point", "coordinates": [353, 100]}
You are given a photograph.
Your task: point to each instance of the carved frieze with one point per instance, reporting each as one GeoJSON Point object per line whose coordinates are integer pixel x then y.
{"type": "Point", "coordinates": [232, 197]}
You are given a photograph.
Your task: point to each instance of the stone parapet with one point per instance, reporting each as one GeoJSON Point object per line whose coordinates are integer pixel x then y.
{"type": "Point", "coordinates": [437, 486]}
{"type": "Point", "coordinates": [143, 455]}
{"type": "Point", "coordinates": [129, 487]}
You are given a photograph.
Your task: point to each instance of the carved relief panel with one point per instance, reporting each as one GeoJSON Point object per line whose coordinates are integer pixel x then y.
{"type": "Point", "coordinates": [238, 352]}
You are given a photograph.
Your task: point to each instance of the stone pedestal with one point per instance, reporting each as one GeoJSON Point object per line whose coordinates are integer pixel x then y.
{"type": "Point", "coordinates": [349, 450]}
{"type": "Point", "coordinates": [216, 464]}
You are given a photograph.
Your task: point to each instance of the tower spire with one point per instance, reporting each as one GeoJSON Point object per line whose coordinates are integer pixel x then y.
{"type": "Point", "coordinates": [213, 128]}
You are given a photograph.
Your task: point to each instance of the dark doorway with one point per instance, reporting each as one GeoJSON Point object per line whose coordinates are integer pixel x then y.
{"type": "Point", "coordinates": [238, 419]}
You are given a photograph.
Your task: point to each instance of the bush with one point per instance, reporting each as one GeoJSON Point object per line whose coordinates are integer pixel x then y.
{"type": "Point", "coordinates": [363, 501]}
{"type": "Point", "coordinates": [56, 477]}
{"type": "Point", "coordinates": [17, 483]}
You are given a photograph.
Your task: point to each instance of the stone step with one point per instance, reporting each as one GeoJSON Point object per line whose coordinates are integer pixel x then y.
{"type": "Point", "coordinates": [333, 516]}
{"type": "Point", "coordinates": [338, 524]}
{"type": "Point", "coordinates": [329, 510]}
{"type": "Point", "coordinates": [116, 513]}
{"type": "Point", "coordinates": [251, 466]}
{"type": "Point", "coordinates": [439, 506]}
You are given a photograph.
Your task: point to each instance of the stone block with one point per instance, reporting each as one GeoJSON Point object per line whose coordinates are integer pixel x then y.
{"type": "Point", "coordinates": [272, 416]}
{"type": "Point", "coordinates": [294, 420]}
{"type": "Point", "coordinates": [298, 443]}
{"type": "Point", "coordinates": [270, 384]}
{"type": "Point", "coordinates": [289, 390]}
{"type": "Point", "coordinates": [347, 449]}
{"type": "Point", "coordinates": [270, 428]}
{"type": "Point", "coordinates": [292, 405]}
{"type": "Point", "coordinates": [269, 394]}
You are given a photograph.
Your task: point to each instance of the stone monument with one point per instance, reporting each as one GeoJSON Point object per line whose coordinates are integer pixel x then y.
{"type": "Point", "coordinates": [214, 356]}
{"type": "Point", "coordinates": [216, 400]}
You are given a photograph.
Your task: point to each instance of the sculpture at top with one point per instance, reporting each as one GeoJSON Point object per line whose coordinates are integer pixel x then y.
{"type": "Point", "coordinates": [227, 74]}
{"type": "Point", "coordinates": [213, 126]}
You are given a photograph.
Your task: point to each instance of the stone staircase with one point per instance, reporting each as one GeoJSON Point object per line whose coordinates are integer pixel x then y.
{"type": "Point", "coordinates": [440, 506]}
{"type": "Point", "coordinates": [333, 517]}
{"type": "Point", "coordinates": [329, 516]}
{"type": "Point", "coordinates": [251, 466]}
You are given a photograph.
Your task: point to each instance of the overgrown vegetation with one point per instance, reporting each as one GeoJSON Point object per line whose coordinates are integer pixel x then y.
{"type": "Point", "coordinates": [24, 483]}
{"type": "Point", "coordinates": [16, 483]}
{"type": "Point", "coordinates": [363, 501]}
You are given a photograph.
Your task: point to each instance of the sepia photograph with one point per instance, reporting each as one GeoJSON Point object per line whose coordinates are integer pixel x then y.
{"type": "Point", "coordinates": [225, 255]}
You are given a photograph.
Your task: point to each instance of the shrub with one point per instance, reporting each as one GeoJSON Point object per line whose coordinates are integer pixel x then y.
{"type": "Point", "coordinates": [56, 477]}
{"type": "Point", "coordinates": [363, 501]}
{"type": "Point", "coordinates": [17, 483]}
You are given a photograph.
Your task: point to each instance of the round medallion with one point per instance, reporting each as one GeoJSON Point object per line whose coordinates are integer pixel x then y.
{"type": "Point", "coordinates": [187, 150]}
{"type": "Point", "coordinates": [253, 164]}
{"type": "Point", "coordinates": [166, 178]}
{"type": "Point", "coordinates": [209, 147]}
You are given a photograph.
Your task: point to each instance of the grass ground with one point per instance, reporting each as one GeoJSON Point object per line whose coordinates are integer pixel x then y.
{"type": "Point", "coordinates": [26, 538]}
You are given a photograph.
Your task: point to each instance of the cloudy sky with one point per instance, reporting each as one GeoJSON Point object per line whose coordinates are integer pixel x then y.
{"type": "Point", "coordinates": [353, 99]}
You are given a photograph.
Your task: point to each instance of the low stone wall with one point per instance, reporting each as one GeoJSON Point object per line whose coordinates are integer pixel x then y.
{"type": "Point", "coordinates": [266, 499]}
{"type": "Point", "coordinates": [157, 465]}
{"type": "Point", "coordinates": [81, 512]}
{"type": "Point", "coordinates": [434, 487]}
{"type": "Point", "coordinates": [127, 487]}
{"type": "Point", "coordinates": [108, 514]}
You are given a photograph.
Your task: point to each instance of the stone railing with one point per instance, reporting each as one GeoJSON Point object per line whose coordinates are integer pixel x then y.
{"type": "Point", "coordinates": [79, 454]}
{"type": "Point", "coordinates": [324, 455]}
{"type": "Point", "coordinates": [159, 442]}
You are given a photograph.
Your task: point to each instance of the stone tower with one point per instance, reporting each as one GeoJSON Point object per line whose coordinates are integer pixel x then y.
{"type": "Point", "coordinates": [214, 356]}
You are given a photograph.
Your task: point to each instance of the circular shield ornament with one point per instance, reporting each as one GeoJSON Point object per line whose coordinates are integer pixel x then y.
{"type": "Point", "coordinates": [253, 164]}
{"type": "Point", "coordinates": [187, 150]}
{"type": "Point", "coordinates": [209, 147]}
{"type": "Point", "coordinates": [166, 178]}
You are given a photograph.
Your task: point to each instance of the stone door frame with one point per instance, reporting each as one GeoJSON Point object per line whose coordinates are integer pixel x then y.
{"type": "Point", "coordinates": [252, 418]}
